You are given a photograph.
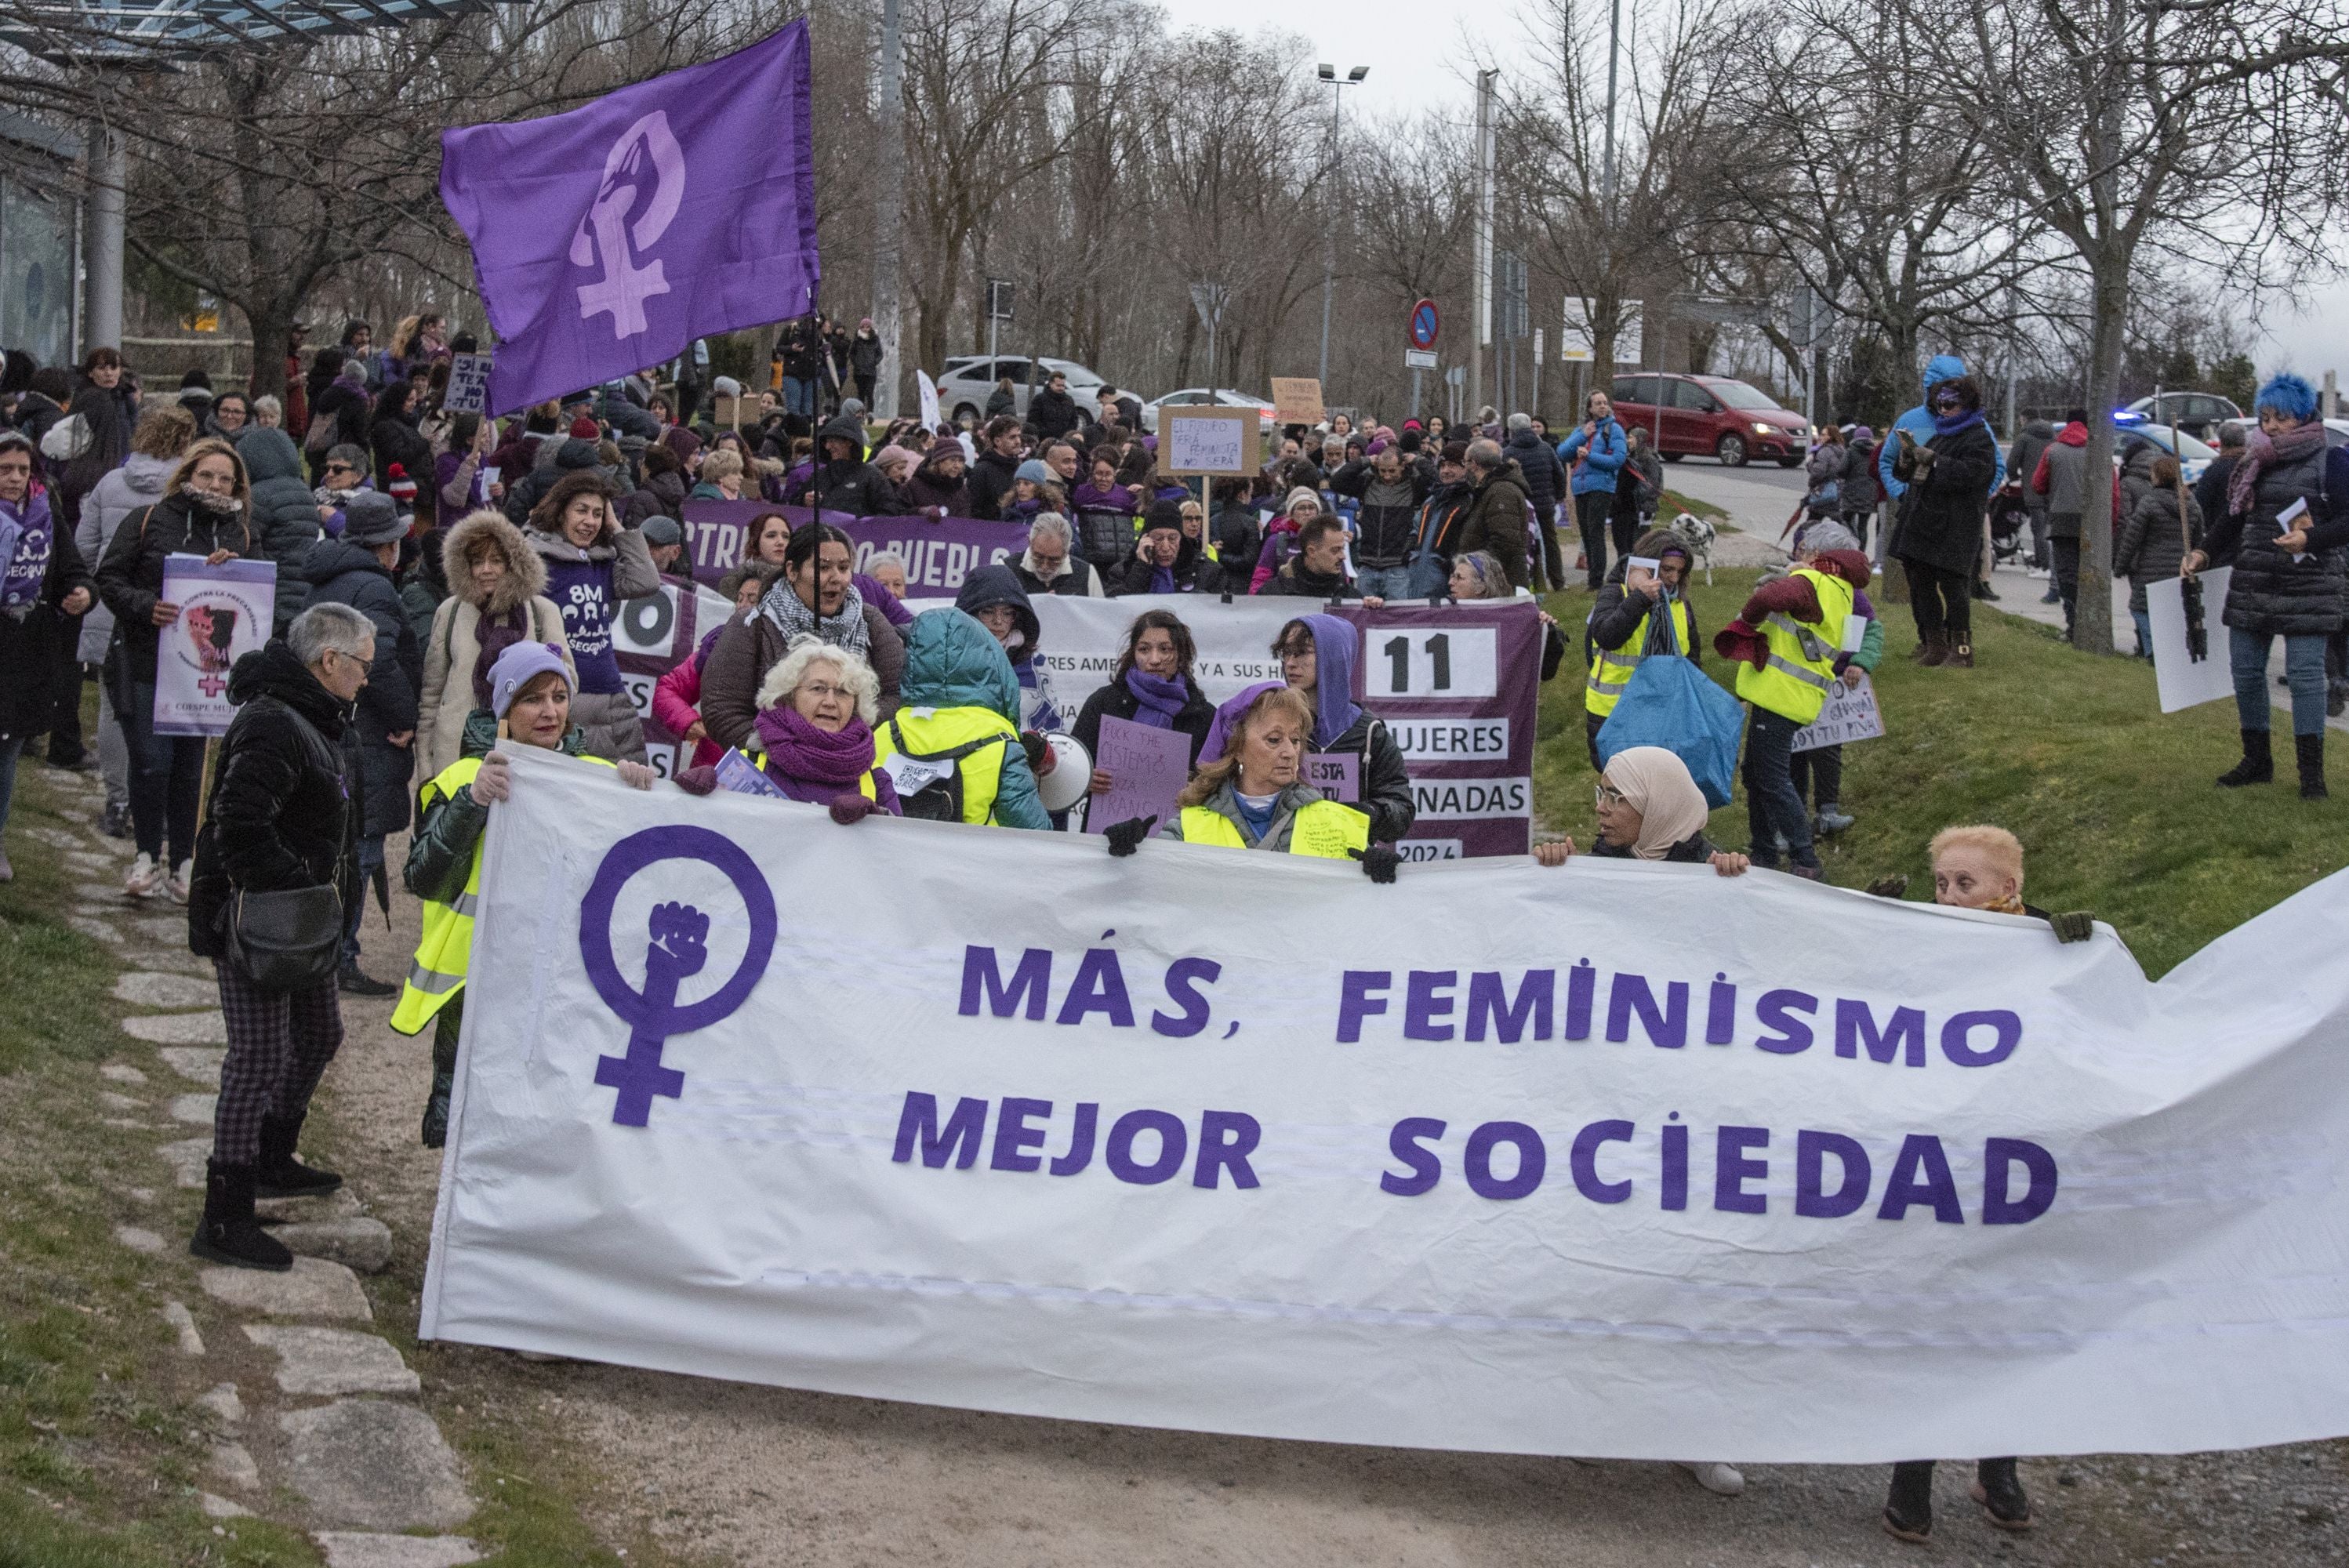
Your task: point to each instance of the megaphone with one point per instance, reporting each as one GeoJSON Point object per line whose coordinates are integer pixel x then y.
{"type": "Point", "coordinates": [1071, 777]}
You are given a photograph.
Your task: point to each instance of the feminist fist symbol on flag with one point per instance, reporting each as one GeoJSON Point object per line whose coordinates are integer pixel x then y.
{"type": "Point", "coordinates": [645, 166]}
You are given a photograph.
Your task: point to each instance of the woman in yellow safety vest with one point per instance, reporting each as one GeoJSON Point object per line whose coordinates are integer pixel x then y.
{"type": "Point", "coordinates": [1785, 641]}
{"type": "Point", "coordinates": [530, 704]}
{"type": "Point", "coordinates": [1625, 626]}
{"type": "Point", "coordinates": [1252, 797]}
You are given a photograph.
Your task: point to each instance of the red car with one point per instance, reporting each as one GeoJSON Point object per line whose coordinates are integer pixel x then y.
{"type": "Point", "coordinates": [1711, 416]}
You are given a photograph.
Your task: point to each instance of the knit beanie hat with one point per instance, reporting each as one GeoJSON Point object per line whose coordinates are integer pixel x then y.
{"type": "Point", "coordinates": [1166, 514]}
{"type": "Point", "coordinates": [1035, 472]}
{"type": "Point", "coordinates": [401, 487]}
{"type": "Point", "coordinates": [1302, 493]}
{"type": "Point", "coordinates": [369, 519]}
{"type": "Point", "coordinates": [518, 666]}
{"type": "Point", "coordinates": [583, 428]}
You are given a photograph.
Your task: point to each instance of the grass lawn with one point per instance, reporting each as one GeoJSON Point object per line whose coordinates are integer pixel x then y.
{"type": "Point", "coordinates": [2114, 801]}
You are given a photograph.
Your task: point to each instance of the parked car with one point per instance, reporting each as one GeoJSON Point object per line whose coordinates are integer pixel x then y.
{"type": "Point", "coordinates": [1711, 416]}
{"type": "Point", "coordinates": [2192, 456]}
{"type": "Point", "coordinates": [2198, 414]}
{"type": "Point", "coordinates": [970, 380]}
{"type": "Point", "coordinates": [1194, 397]}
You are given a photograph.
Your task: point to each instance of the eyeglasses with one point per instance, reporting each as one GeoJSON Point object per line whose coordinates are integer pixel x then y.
{"type": "Point", "coordinates": [1610, 795]}
{"type": "Point", "coordinates": [823, 691]}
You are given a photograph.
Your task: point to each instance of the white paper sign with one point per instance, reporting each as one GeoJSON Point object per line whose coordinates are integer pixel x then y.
{"type": "Point", "coordinates": [1574, 343]}
{"type": "Point", "coordinates": [2181, 679]}
{"type": "Point", "coordinates": [1125, 1150]}
{"type": "Point", "coordinates": [931, 418]}
{"type": "Point", "coordinates": [225, 613]}
{"type": "Point", "coordinates": [469, 384]}
{"type": "Point", "coordinates": [1849, 714]}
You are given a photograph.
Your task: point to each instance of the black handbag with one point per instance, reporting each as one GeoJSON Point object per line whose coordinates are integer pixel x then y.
{"type": "Point", "coordinates": [288, 940]}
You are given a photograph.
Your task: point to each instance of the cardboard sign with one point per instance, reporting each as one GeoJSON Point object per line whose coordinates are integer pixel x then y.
{"type": "Point", "coordinates": [469, 385]}
{"type": "Point", "coordinates": [1147, 767]}
{"type": "Point", "coordinates": [1297, 400]}
{"type": "Point", "coordinates": [1850, 714]}
{"type": "Point", "coordinates": [1336, 774]}
{"type": "Point", "coordinates": [1203, 440]}
{"type": "Point", "coordinates": [225, 613]}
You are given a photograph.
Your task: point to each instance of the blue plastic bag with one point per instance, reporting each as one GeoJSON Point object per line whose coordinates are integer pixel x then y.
{"type": "Point", "coordinates": [1670, 702]}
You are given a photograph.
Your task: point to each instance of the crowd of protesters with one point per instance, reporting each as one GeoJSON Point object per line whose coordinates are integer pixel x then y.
{"type": "Point", "coordinates": [449, 588]}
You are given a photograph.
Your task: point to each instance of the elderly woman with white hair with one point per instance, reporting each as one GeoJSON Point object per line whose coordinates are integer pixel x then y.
{"type": "Point", "coordinates": [812, 737]}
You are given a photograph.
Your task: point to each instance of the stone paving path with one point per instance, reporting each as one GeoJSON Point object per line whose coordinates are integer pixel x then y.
{"type": "Point", "coordinates": [336, 1423]}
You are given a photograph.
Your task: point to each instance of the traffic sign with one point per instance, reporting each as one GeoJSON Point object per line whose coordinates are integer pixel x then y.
{"type": "Point", "coordinates": [1425, 322]}
{"type": "Point", "coordinates": [1419, 358]}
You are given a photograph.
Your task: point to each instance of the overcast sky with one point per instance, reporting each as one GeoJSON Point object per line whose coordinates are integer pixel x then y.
{"type": "Point", "coordinates": [1420, 59]}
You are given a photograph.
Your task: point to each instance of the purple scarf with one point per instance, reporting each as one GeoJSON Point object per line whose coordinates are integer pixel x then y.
{"type": "Point", "coordinates": [1161, 697]}
{"type": "Point", "coordinates": [1953, 423]}
{"type": "Point", "coordinates": [2259, 450]}
{"type": "Point", "coordinates": [814, 765]}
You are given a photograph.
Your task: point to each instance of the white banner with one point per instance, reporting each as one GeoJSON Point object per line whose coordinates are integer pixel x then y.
{"type": "Point", "coordinates": [1617, 1159]}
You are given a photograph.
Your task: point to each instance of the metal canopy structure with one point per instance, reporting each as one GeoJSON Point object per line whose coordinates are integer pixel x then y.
{"type": "Point", "coordinates": [117, 37]}
{"type": "Point", "coordinates": [155, 32]}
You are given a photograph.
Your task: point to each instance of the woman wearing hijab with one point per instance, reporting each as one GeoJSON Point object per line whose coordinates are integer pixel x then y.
{"type": "Point", "coordinates": [1650, 809]}
{"type": "Point", "coordinates": [1317, 655]}
{"type": "Point", "coordinates": [1153, 686]}
{"type": "Point", "coordinates": [2283, 533]}
{"type": "Point", "coordinates": [813, 738]}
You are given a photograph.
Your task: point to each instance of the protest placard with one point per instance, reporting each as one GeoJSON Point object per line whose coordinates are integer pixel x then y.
{"type": "Point", "coordinates": [928, 390]}
{"type": "Point", "coordinates": [469, 384]}
{"type": "Point", "coordinates": [1849, 714]}
{"type": "Point", "coordinates": [1336, 774]}
{"type": "Point", "coordinates": [1295, 400]}
{"type": "Point", "coordinates": [2182, 676]}
{"type": "Point", "coordinates": [1449, 1164]}
{"type": "Point", "coordinates": [225, 613]}
{"type": "Point", "coordinates": [1214, 441]}
{"type": "Point", "coordinates": [1147, 769]}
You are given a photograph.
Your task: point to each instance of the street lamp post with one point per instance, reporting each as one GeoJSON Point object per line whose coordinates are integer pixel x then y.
{"type": "Point", "coordinates": [1338, 85]}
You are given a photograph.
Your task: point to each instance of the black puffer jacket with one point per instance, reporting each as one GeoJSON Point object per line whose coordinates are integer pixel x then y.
{"type": "Point", "coordinates": [340, 573]}
{"type": "Point", "coordinates": [131, 575]}
{"type": "Point", "coordinates": [990, 481]}
{"type": "Point", "coordinates": [2272, 594]}
{"type": "Point", "coordinates": [849, 484]}
{"type": "Point", "coordinates": [284, 811]}
{"type": "Point", "coordinates": [1537, 461]}
{"type": "Point", "coordinates": [1054, 414]}
{"type": "Point", "coordinates": [1386, 782]}
{"type": "Point", "coordinates": [284, 512]}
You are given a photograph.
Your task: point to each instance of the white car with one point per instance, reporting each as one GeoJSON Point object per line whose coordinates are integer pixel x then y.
{"type": "Point", "coordinates": [1196, 397]}
{"type": "Point", "coordinates": [968, 381]}
{"type": "Point", "coordinates": [2193, 456]}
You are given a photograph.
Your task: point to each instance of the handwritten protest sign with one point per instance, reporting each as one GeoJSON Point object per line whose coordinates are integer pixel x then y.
{"type": "Point", "coordinates": [1147, 767]}
{"type": "Point", "coordinates": [469, 384]}
{"type": "Point", "coordinates": [225, 613]}
{"type": "Point", "coordinates": [1295, 400]}
{"type": "Point", "coordinates": [1850, 714]}
{"type": "Point", "coordinates": [1208, 440]}
{"type": "Point", "coordinates": [1336, 774]}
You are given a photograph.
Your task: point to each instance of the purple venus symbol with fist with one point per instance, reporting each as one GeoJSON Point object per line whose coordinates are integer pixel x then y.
{"type": "Point", "coordinates": [677, 949]}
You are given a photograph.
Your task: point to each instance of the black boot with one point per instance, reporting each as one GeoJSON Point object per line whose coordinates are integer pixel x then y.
{"type": "Point", "coordinates": [227, 1233]}
{"type": "Point", "coordinates": [2258, 766]}
{"type": "Point", "coordinates": [1908, 1508]}
{"type": "Point", "coordinates": [2000, 1491]}
{"type": "Point", "coordinates": [2310, 749]}
{"type": "Point", "coordinates": [280, 1174]}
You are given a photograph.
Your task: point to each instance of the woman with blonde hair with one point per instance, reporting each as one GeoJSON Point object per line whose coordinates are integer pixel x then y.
{"type": "Point", "coordinates": [813, 736]}
{"type": "Point", "coordinates": [206, 510]}
{"type": "Point", "coordinates": [1251, 794]}
{"type": "Point", "coordinates": [721, 476]}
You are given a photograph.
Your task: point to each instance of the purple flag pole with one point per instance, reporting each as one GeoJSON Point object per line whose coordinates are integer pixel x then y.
{"type": "Point", "coordinates": [610, 237]}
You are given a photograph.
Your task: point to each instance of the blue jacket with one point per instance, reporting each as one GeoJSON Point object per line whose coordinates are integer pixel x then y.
{"type": "Point", "coordinates": [1919, 423]}
{"type": "Point", "coordinates": [952, 661]}
{"type": "Point", "coordinates": [1597, 470]}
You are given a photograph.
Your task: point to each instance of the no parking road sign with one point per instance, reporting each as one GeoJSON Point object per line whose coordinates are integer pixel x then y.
{"type": "Point", "coordinates": [1425, 324]}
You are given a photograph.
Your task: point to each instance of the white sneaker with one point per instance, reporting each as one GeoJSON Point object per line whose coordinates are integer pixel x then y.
{"type": "Point", "coordinates": [145, 879]}
{"type": "Point", "coordinates": [1722, 1481]}
{"type": "Point", "coordinates": [2038, 573]}
{"type": "Point", "coordinates": [179, 879]}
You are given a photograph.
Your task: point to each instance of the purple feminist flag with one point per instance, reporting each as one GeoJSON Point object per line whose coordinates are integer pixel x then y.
{"type": "Point", "coordinates": [610, 238]}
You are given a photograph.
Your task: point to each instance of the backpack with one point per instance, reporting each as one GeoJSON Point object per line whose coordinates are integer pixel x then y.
{"type": "Point", "coordinates": [930, 783]}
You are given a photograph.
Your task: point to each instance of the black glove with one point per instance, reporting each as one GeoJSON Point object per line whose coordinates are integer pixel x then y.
{"type": "Point", "coordinates": [1379, 862]}
{"type": "Point", "coordinates": [1126, 837]}
{"type": "Point", "coordinates": [2074, 925]}
{"type": "Point", "coordinates": [1888, 887]}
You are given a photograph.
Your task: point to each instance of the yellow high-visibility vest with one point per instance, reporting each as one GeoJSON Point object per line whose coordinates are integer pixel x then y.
{"type": "Point", "coordinates": [1801, 669]}
{"type": "Point", "coordinates": [1611, 669]}
{"type": "Point", "coordinates": [926, 733]}
{"type": "Point", "coordinates": [757, 755]}
{"type": "Point", "coordinates": [1325, 829]}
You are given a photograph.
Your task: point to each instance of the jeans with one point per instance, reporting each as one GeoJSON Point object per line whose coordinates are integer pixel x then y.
{"type": "Point", "coordinates": [1591, 511]}
{"type": "Point", "coordinates": [12, 747]}
{"type": "Point", "coordinates": [2144, 633]}
{"type": "Point", "coordinates": [370, 860]}
{"type": "Point", "coordinates": [799, 396]}
{"type": "Point", "coordinates": [2303, 670]}
{"type": "Point", "coordinates": [1820, 767]}
{"type": "Point", "coordinates": [1773, 809]}
{"type": "Point", "coordinates": [1383, 581]}
{"type": "Point", "coordinates": [167, 779]}
{"type": "Point", "coordinates": [113, 751]}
